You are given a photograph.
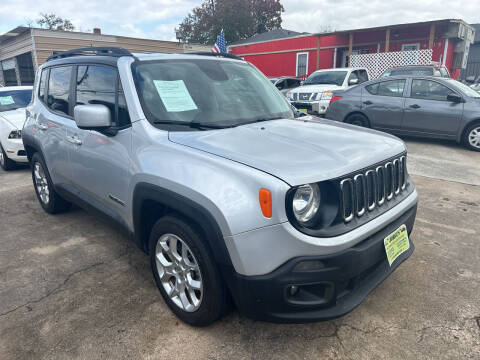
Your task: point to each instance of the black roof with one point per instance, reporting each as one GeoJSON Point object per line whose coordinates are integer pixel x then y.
{"type": "Point", "coordinates": [268, 36]}
{"type": "Point", "coordinates": [82, 59]}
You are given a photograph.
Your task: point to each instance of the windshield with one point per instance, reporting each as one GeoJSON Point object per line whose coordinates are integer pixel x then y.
{"type": "Point", "coordinates": [409, 71]}
{"type": "Point", "coordinates": [467, 90]}
{"type": "Point", "coordinates": [14, 99]}
{"type": "Point", "coordinates": [326, 77]}
{"type": "Point", "coordinates": [207, 92]}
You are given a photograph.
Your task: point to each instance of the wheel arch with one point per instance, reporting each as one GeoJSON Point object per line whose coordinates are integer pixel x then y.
{"type": "Point", "coordinates": [357, 112]}
{"type": "Point", "coordinates": [151, 202]}
{"type": "Point", "coordinates": [31, 148]}
{"type": "Point", "coordinates": [462, 133]}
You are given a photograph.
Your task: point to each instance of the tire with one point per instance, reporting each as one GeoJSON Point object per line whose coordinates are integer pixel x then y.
{"type": "Point", "coordinates": [197, 305]}
{"type": "Point", "coordinates": [357, 119]}
{"type": "Point", "coordinates": [471, 137]}
{"type": "Point", "coordinates": [5, 162]}
{"type": "Point", "coordinates": [50, 201]}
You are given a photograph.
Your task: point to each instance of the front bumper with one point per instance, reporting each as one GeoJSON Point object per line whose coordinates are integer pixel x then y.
{"type": "Point", "coordinates": [15, 150]}
{"type": "Point", "coordinates": [334, 290]}
{"type": "Point", "coordinates": [313, 107]}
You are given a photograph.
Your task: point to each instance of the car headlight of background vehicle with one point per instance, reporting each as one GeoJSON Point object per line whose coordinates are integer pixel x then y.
{"type": "Point", "coordinates": [15, 134]}
{"type": "Point", "coordinates": [327, 95]}
{"type": "Point", "coordinates": [306, 202]}
{"type": "Point", "coordinates": [292, 96]}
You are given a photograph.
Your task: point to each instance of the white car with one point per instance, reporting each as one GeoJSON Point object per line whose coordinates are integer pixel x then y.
{"type": "Point", "coordinates": [316, 92]}
{"type": "Point", "coordinates": [13, 101]}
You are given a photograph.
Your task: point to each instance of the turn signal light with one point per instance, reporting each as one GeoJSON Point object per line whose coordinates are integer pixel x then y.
{"type": "Point", "coordinates": [334, 98]}
{"type": "Point", "coordinates": [265, 198]}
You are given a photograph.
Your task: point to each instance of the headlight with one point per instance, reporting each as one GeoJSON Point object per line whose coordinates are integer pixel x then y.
{"type": "Point", "coordinates": [15, 134]}
{"type": "Point", "coordinates": [306, 202]}
{"type": "Point", "coordinates": [327, 94]}
{"type": "Point", "coordinates": [292, 95]}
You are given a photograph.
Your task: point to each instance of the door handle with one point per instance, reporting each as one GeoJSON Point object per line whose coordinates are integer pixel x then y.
{"type": "Point", "coordinates": [368, 102]}
{"type": "Point", "coordinates": [74, 140]}
{"type": "Point", "coordinates": [42, 126]}
{"type": "Point", "coordinates": [415, 106]}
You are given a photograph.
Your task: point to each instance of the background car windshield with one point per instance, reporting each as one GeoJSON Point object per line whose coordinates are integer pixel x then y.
{"type": "Point", "coordinates": [326, 77]}
{"type": "Point", "coordinates": [467, 90]}
{"type": "Point", "coordinates": [216, 92]}
{"type": "Point", "coordinates": [14, 99]}
{"type": "Point", "coordinates": [412, 71]}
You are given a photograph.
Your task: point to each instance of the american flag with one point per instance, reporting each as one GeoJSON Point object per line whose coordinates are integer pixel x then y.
{"type": "Point", "coordinates": [220, 46]}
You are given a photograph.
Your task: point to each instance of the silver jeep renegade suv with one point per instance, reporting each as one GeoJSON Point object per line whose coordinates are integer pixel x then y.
{"type": "Point", "coordinates": [199, 158]}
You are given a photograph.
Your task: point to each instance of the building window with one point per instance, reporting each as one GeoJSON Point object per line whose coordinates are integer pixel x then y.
{"type": "Point", "coordinates": [410, 47]}
{"type": "Point", "coordinates": [302, 64]}
{"type": "Point", "coordinates": [10, 77]}
{"type": "Point", "coordinates": [9, 73]}
{"type": "Point", "coordinates": [25, 68]}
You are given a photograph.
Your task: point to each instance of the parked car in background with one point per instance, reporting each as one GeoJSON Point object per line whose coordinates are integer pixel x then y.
{"type": "Point", "coordinates": [285, 83]}
{"type": "Point", "coordinates": [13, 101]}
{"type": "Point", "coordinates": [418, 70]}
{"type": "Point", "coordinates": [211, 175]}
{"type": "Point", "coordinates": [315, 93]}
{"type": "Point", "coordinates": [413, 105]}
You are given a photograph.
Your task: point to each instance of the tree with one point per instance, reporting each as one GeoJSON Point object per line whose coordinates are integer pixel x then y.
{"type": "Point", "coordinates": [54, 22]}
{"type": "Point", "coordinates": [239, 19]}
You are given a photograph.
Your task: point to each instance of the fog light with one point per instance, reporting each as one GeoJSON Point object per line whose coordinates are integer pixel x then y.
{"type": "Point", "coordinates": [309, 265]}
{"type": "Point", "coordinates": [293, 290]}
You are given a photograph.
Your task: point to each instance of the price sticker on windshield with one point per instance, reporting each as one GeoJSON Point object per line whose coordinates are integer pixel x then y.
{"type": "Point", "coordinates": [175, 95]}
{"type": "Point", "coordinates": [6, 100]}
{"type": "Point", "coordinates": [396, 243]}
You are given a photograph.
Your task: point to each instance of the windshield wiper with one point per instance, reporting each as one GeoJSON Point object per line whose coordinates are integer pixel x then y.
{"type": "Point", "coordinates": [193, 124]}
{"type": "Point", "coordinates": [261, 120]}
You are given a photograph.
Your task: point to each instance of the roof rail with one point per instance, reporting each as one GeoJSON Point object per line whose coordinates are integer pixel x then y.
{"type": "Point", "coordinates": [225, 55]}
{"type": "Point", "coordinates": [91, 51]}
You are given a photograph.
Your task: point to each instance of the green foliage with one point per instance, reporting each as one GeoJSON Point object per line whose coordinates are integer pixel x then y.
{"type": "Point", "coordinates": [239, 19]}
{"type": "Point", "coordinates": [54, 22]}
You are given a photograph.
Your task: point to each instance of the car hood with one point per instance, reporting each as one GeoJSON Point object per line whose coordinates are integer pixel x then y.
{"type": "Point", "coordinates": [297, 151]}
{"type": "Point", "coordinates": [316, 88]}
{"type": "Point", "coordinates": [15, 117]}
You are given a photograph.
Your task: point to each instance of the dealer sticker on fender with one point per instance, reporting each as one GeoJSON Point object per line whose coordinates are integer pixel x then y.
{"type": "Point", "coordinates": [396, 243]}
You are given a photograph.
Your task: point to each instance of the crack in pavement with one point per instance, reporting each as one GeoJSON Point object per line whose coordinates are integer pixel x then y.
{"type": "Point", "coordinates": [65, 281]}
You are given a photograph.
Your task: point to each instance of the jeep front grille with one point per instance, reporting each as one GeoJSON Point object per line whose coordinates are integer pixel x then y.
{"type": "Point", "coordinates": [363, 192]}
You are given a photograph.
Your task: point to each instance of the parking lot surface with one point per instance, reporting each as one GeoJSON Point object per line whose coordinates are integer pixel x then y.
{"type": "Point", "coordinates": [73, 287]}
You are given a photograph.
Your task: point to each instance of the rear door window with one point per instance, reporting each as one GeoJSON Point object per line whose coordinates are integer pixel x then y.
{"type": "Point", "coordinates": [58, 97]}
{"type": "Point", "coordinates": [393, 88]}
{"type": "Point", "coordinates": [42, 85]}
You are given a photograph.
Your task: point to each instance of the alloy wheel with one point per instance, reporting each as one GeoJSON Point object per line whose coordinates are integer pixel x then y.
{"type": "Point", "coordinates": [2, 159]}
{"type": "Point", "coordinates": [474, 137]}
{"type": "Point", "coordinates": [179, 272]}
{"type": "Point", "coordinates": [41, 183]}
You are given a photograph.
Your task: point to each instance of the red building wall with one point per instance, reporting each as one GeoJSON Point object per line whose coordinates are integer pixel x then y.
{"type": "Point", "coordinates": [277, 58]}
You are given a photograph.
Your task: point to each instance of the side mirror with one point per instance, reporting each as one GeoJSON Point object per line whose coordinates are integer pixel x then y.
{"type": "Point", "coordinates": [454, 98]}
{"type": "Point", "coordinates": [353, 81]}
{"type": "Point", "coordinates": [470, 79]}
{"type": "Point", "coordinates": [92, 117]}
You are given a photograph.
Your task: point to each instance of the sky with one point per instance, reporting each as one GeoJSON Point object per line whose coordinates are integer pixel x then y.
{"type": "Point", "coordinates": [157, 19]}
